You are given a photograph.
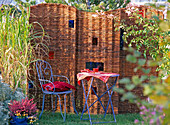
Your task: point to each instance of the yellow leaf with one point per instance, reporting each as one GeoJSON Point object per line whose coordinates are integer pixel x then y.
{"type": "Point", "coordinates": [167, 115]}
{"type": "Point", "coordinates": [160, 100]}
{"type": "Point", "coordinates": [168, 15]}
{"type": "Point", "coordinates": [147, 90]}
{"type": "Point", "coordinates": [168, 38]}
{"type": "Point", "coordinates": [159, 87]}
{"type": "Point", "coordinates": [166, 89]}
{"type": "Point", "coordinates": [167, 80]}
{"type": "Point", "coordinates": [169, 54]}
{"type": "Point", "coordinates": [164, 26]}
{"type": "Point", "coordinates": [161, 44]}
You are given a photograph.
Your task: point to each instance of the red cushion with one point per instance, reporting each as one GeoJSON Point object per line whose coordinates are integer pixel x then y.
{"type": "Point", "coordinates": [59, 86]}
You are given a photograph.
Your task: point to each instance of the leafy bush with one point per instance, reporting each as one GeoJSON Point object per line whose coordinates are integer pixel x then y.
{"type": "Point", "coordinates": [155, 112]}
{"type": "Point", "coordinates": [155, 36]}
{"type": "Point", "coordinates": [151, 32]}
{"type": "Point", "coordinates": [6, 94]}
{"type": "Point", "coordinates": [4, 115]}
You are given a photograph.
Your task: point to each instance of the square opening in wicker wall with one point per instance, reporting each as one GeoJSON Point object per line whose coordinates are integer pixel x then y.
{"type": "Point", "coordinates": [71, 23]}
{"type": "Point", "coordinates": [91, 65]}
{"type": "Point", "coordinates": [51, 55]}
{"type": "Point", "coordinates": [121, 39]}
{"type": "Point", "coordinates": [94, 41]}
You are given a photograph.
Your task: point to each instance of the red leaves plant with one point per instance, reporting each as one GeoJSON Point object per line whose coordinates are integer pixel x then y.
{"type": "Point", "coordinates": [25, 106]}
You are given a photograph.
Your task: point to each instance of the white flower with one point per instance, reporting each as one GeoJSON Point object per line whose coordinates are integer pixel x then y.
{"type": "Point", "coordinates": [102, 13]}
{"type": "Point", "coordinates": [110, 16]}
{"type": "Point", "coordinates": [94, 15]}
{"type": "Point", "coordinates": [133, 8]}
{"type": "Point", "coordinates": [165, 12]}
{"type": "Point", "coordinates": [136, 9]}
{"type": "Point", "coordinates": [128, 12]}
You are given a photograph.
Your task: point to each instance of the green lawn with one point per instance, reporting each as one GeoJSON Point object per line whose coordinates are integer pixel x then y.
{"type": "Point", "coordinates": [48, 118]}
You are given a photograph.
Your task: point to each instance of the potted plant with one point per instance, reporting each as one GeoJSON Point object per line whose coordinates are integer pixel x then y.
{"type": "Point", "coordinates": [23, 112]}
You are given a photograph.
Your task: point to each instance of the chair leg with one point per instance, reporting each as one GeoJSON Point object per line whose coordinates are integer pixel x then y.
{"type": "Point", "coordinates": [55, 103]}
{"type": "Point", "coordinates": [42, 106]}
{"type": "Point", "coordinates": [64, 116]}
{"type": "Point", "coordinates": [65, 106]}
{"type": "Point", "coordinates": [52, 102]}
{"type": "Point", "coordinates": [73, 103]}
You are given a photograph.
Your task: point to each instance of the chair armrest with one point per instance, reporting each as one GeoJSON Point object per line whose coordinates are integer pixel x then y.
{"type": "Point", "coordinates": [62, 76]}
{"type": "Point", "coordinates": [43, 80]}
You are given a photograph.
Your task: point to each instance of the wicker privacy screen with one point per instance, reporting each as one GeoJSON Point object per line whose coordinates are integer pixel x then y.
{"type": "Point", "coordinates": [79, 37]}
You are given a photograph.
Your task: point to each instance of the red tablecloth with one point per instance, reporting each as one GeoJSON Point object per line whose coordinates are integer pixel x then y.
{"type": "Point", "coordinates": [100, 75]}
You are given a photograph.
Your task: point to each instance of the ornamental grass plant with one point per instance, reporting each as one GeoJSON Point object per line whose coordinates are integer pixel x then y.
{"type": "Point", "coordinates": [18, 42]}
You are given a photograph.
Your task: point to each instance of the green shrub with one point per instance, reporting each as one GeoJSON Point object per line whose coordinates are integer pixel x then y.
{"type": "Point", "coordinates": [6, 94]}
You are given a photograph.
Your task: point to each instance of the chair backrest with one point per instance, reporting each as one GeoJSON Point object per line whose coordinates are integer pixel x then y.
{"type": "Point", "coordinates": [44, 71]}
